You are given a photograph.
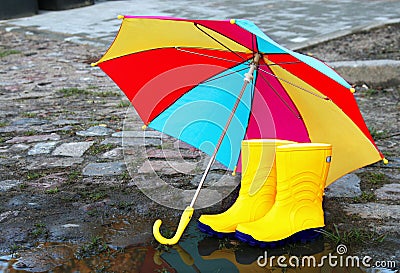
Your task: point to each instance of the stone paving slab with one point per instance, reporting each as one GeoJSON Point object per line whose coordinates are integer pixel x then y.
{"type": "Point", "coordinates": [6, 185]}
{"type": "Point", "coordinates": [114, 153]}
{"type": "Point", "coordinates": [172, 154]}
{"type": "Point", "coordinates": [132, 141]}
{"type": "Point", "coordinates": [29, 122]}
{"type": "Point", "coordinates": [368, 71]}
{"type": "Point", "coordinates": [42, 148]}
{"type": "Point", "coordinates": [104, 169]}
{"type": "Point", "coordinates": [375, 211]}
{"type": "Point", "coordinates": [347, 186]}
{"type": "Point", "coordinates": [166, 167]}
{"type": "Point", "coordinates": [206, 197]}
{"type": "Point", "coordinates": [50, 163]}
{"type": "Point", "coordinates": [139, 134]}
{"type": "Point", "coordinates": [14, 148]}
{"type": "Point", "coordinates": [388, 192]}
{"type": "Point", "coordinates": [96, 131]}
{"type": "Point", "coordinates": [36, 138]}
{"type": "Point", "coordinates": [75, 149]}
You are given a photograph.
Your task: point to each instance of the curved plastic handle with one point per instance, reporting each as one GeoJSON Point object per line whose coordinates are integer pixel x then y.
{"type": "Point", "coordinates": [183, 222]}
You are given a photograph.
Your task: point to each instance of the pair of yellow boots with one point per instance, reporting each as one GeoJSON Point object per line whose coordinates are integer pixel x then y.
{"type": "Point", "coordinates": [281, 193]}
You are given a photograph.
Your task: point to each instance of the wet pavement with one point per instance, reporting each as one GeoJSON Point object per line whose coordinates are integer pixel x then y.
{"type": "Point", "coordinates": [288, 22]}
{"type": "Point", "coordinates": [195, 253]}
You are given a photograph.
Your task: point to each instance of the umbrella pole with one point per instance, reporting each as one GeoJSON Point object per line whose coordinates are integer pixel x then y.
{"type": "Point", "coordinates": [248, 78]}
{"type": "Point", "coordinates": [188, 212]}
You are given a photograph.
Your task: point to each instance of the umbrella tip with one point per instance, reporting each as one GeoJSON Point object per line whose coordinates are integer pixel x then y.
{"type": "Point", "coordinates": [385, 161]}
{"type": "Point", "coordinates": [120, 17]}
{"type": "Point", "coordinates": [144, 127]}
{"type": "Point", "coordinates": [93, 64]}
{"type": "Point", "coordinates": [352, 90]}
{"type": "Point", "coordinates": [232, 21]}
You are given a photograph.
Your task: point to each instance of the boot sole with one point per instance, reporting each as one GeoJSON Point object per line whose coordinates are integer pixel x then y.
{"type": "Point", "coordinates": [304, 236]}
{"type": "Point", "coordinates": [208, 230]}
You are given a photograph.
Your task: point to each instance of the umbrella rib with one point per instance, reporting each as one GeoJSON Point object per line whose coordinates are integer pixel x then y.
{"type": "Point", "coordinates": [206, 55]}
{"type": "Point", "coordinates": [281, 98]}
{"type": "Point", "coordinates": [224, 75]}
{"type": "Point", "coordinates": [219, 42]}
{"type": "Point", "coordinates": [252, 44]}
{"type": "Point", "coordinates": [295, 85]}
{"type": "Point", "coordinates": [280, 63]}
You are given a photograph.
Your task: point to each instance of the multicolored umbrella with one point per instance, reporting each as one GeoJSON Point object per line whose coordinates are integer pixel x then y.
{"type": "Point", "coordinates": [184, 78]}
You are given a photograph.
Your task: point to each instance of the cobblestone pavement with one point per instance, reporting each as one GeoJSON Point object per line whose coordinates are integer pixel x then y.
{"type": "Point", "coordinates": [62, 145]}
{"type": "Point", "coordinates": [70, 160]}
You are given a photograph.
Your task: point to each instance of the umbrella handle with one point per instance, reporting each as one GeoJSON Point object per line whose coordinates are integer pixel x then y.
{"type": "Point", "coordinates": [183, 222]}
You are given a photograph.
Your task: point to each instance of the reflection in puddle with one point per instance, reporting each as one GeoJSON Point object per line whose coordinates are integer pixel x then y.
{"type": "Point", "coordinates": [195, 253]}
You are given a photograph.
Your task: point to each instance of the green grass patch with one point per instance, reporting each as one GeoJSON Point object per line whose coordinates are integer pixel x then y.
{"type": "Point", "coordinates": [39, 230]}
{"type": "Point", "coordinates": [125, 176]}
{"type": "Point", "coordinates": [97, 196]}
{"type": "Point", "coordinates": [101, 148]}
{"type": "Point", "coordinates": [372, 180]}
{"type": "Point", "coordinates": [22, 186]}
{"type": "Point", "coordinates": [73, 91]}
{"type": "Point", "coordinates": [124, 104]}
{"type": "Point", "coordinates": [124, 205]}
{"type": "Point", "coordinates": [30, 133]}
{"type": "Point", "coordinates": [7, 52]}
{"type": "Point", "coordinates": [378, 134]}
{"type": "Point", "coordinates": [73, 176]}
{"type": "Point", "coordinates": [106, 94]}
{"type": "Point", "coordinates": [354, 236]}
{"type": "Point", "coordinates": [365, 197]}
{"type": "Point", "coordinates": [53, 191]}
{"type": "Point", "coordinates": [14, 249]}
{"type": "Point", "coordinates": [93, 195]}
{"type": "Point", "coordinates": [377, 178]}
{"type": "Point", "coordinates": [33, 175]}
{"type": "Point", "coordinates": [371, 92]}
{"type": "Point", "coordinates": [95, 247]}
{"type": "Point", "coordinates": [29, 115]}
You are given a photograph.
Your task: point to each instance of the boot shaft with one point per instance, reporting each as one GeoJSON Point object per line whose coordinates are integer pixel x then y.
{"type": "Point", "coordinates": [258, 163]}
{"type": "Point", "coordinates": [302, 171]}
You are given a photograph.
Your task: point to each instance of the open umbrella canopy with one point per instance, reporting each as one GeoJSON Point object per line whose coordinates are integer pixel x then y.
{"type": "Point", "coordinates": [183, 78]}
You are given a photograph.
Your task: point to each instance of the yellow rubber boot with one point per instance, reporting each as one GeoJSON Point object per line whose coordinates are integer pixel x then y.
{"type": "Point", "coordinates": [301, 171]}
{"type": "Point", "coordinates": [257, 191]}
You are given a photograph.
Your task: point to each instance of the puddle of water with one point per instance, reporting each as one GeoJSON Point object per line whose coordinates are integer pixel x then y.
{"type": "Point", "coordinates": [195, 253]}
